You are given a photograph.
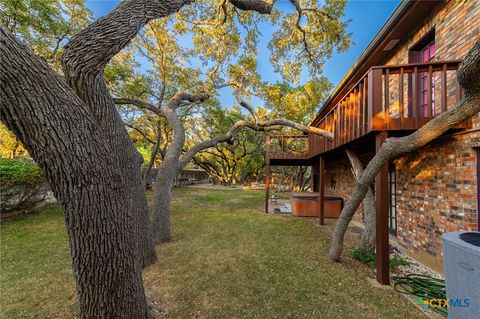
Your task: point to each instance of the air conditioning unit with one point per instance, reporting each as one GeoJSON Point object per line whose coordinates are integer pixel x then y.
{"type": "Point", "coordinates": [461, 252]}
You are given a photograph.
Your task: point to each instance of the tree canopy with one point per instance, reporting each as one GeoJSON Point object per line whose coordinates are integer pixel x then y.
{"type": "Point", "coordinates": [213, 47]}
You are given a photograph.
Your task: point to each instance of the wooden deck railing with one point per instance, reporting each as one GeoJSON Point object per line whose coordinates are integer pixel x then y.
{"type": "Point", "coordinates": [390, 98]}
{"type": "Point", "coordinates": [386, 98]}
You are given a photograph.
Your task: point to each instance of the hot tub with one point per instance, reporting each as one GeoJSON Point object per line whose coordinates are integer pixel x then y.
{"type": "Point", "coordinates": [305, 204]}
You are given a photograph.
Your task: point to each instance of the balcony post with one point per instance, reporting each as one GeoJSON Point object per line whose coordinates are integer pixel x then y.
{"type": "Point", "coordinates": [375, 107]}
{"type": "Point", "coordinates": [267, 172]}
{"type": "Point", "coordinates": [382, 205]}
{"type": "Point", "coordinates": [321, 190]}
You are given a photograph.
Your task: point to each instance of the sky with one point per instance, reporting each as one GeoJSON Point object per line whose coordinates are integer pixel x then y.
{"type": "Point", "coordinates": [366, 18]}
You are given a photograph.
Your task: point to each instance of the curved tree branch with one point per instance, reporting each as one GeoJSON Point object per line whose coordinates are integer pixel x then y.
{"type": "Point", "coordinates": [258, 126]}
{"type": "Point", "coordinates": [180, 97]}
{"type": "Point", "coordinates": [285, 122]}
{"type": "Point", "coordinates": [262, 7]}
{"type": "Point", "coordinates": [107, 36]}
{"type": "Point", "coordinates": [368, 235]}
{"type": "Point", "coordinates": [393, 147]}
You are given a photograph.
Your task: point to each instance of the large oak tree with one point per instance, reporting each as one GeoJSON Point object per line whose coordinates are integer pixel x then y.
{"type": "Point", "coordinates": [72, 129]}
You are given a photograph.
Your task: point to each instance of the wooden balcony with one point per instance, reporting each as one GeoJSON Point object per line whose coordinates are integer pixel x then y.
{"type": "Point", "coordinates": [399, 98]}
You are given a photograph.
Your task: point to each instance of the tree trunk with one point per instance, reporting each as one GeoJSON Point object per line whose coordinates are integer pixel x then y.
{"type": "Point", "coordinates": [85, 57]}
{"type": "Point", "coordinates": [469, 106]}
{"type": "Point", "coordinates": [153, 155]}
{"type": "Point", "coordinates": [161, 203]}
{"type": "Point", "coordinates": [63, 137]}
{"type": "Point", "coordinates": [369, 207]}
{"type": "Point", "coordinates": [166, 175]}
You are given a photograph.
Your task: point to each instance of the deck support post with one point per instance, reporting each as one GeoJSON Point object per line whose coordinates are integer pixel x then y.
{"type": "Point", "coordinates": [314, 178]}
{"type": "Point", "coordinates": [267, 172]}
{"type": "Point", "coordinates": [382, 206]}
{"type": "Point", "coordinates": [321, 190]}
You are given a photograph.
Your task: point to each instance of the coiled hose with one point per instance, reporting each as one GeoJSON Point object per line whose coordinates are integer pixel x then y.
{"type": "Point", "coordinates": [423, 287]}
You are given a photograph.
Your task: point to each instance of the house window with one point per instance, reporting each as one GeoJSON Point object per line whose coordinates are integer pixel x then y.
{"type": "Point", "coordinates": [392, 212]}
{"type": "Point", "coordinates": [423, 52]}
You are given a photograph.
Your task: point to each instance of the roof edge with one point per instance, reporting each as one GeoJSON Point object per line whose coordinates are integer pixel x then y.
{"type": "Point", "coordinates": [397, 14]}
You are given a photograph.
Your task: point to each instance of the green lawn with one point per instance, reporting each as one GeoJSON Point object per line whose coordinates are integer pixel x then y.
{"type": "Point", "coordinates": [227, 260]}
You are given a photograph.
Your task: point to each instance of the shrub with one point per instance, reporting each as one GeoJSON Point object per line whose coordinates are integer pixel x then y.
{"type": "Point", "coordinates": [369, 258]}
{"type": "Point", "coordinates": [22, 185]}
{"type": "Point", "coordinates": [364, 256]}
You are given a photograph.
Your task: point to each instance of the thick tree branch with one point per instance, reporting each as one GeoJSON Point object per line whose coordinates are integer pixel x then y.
{"type": "Point", "coordinates": [90, 50]}
{"type": "Point", "coordinates": [262, 7]}
{"type": "Point", "coordinates": [469, 79]}
{"type": "Point", "coordinates": [368, 235]}
{"type": "Point", "coordinates": [180, 97]}
{"type": "Point", "coordinates": [250, 109]}
{"type": "Point", "coordinates": [258, 126]}
{"type": "Point", "coordinates": [285, 122]}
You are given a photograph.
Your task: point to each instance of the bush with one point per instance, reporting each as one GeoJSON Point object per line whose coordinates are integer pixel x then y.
{"type": "Point", "coordinates": [369, 258]}
{"type": "Point", "coordinates": [22, 185]}
{"type": "Point", "coordinates": [364, 256]}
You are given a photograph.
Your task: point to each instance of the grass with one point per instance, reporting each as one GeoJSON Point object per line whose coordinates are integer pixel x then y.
{"type": "Point", "coordinates": [227, 260]}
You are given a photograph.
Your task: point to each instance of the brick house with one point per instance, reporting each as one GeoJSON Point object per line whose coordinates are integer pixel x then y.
{"type": "Point", "coordinates": [405, 77]}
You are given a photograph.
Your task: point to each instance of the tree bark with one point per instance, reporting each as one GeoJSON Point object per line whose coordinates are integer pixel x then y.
{"type": "Point", "coordinates": [369, 207]}
{"type": "Point", "coordinates": [63, 137]}
{"type": "Point", "coordinates": [153, 155]}
{"type": "Point", "coordinates": [469, 79]}
{"type": "Point", "coordinates": [165, 178]}
{"type": "Point", "coordinates": [83, 62]}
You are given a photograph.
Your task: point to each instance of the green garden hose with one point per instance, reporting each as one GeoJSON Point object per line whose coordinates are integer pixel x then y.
{"type": "Point", "coordinates": [422, 287]}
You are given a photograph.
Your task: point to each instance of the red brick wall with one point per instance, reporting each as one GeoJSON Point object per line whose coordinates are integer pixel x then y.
{"type": "Point", "coordinates": [436, 193]}
{"type": "Point", "coordinates": [340, 183]}
{"type": "Point", "coordinates": [457, 26]}
{"type": "Point", "coordinates": [436, 186]}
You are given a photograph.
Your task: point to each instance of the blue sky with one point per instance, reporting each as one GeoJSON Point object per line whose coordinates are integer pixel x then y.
{"type": "Point", "coordinates": [366, 18]}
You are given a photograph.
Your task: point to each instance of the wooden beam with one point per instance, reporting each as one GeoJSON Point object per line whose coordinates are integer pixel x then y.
{"type": "Point", "coordinates": [415, 95]}
{"type": "Point", "coordinates": [267, 172]}
{"type": "Point", "coordinates": [429, 92]}
{"type": "Point", "coordinates": [321, 190]}
{"type": "Point", "coordinates": [444, 88]}
{"type": "Point", "coordinates": [382, 206]}
{"type": "Point", "coordinates": [400, 98]}
{"type": "Point", "coordinates": [375, 109]}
